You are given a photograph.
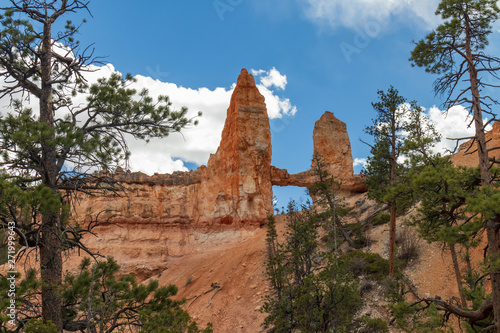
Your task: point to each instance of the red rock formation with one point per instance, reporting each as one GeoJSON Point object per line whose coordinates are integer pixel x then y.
{"type": "Point", "coordinates": [281, 177]}
{"type": "Point", "coordinates": [238, 176]}
{"type": "Point", "coordinates": [232, 191]}
{"type": "Point", "coordinates": [331, 142]}
{"type": "Point", "coordinates": [467, 152]}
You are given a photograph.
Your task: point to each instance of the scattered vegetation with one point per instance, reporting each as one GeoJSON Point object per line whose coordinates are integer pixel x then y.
{"type": "Point", "coordinates": [311, 290]}
{"type": "Point", "coordinates": [38, 326]}
{"type": "Point", "coordinates": [371, 265]}
{"type": "Point", "coordinates": [409, 245]}
{"type": "Point", "coordinates": [358, 235]}
{"type": "Point", "coordinates": [314, 286]}
{"type": "Point", "coordinates": [381, 219]}
{"type": "Point", "coordinates": [373, 325]}
{"type": "Point", "coordinates": [97, 300]}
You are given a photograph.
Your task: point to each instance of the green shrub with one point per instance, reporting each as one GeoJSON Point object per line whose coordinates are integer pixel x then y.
{"type": "Point", "coordinates": [373, 325]}
{"type": "Point", "coordinates": [369, 264]}
{"type": "Point", "coordinates": [381, 219]}
{"type": "Point", "coordinates": [38, 326]}
{"type": "Point", "coordinates": [357, 235]}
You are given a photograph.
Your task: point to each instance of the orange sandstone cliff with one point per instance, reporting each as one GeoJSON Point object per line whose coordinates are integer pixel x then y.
{"type": "Point", "coordinates": [234, 189]}
{"type": "Point", "coordinates": [467, 152]}
{"type": "Point", "coordinates": [201, 229]}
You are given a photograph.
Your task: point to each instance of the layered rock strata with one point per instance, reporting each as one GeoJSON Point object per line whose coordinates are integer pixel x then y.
{"type": "Point", "coordinates": [236, 184]}
{"type": "Point", "coordinates": [235, 187]}
{"type": "Point", "coordinates": [467, 151]}
{"type": "Point", "coordinates": [332, 145]}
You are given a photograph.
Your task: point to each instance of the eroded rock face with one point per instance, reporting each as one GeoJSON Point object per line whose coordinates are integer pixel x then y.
{"type": "Point", "coordinates": [467, 152]}
{"type": "Point", "coordinates": [232, 191]}
{"type": "Point", "coordinates": [331, 142]}
{"type": "Point", "coordinates": [238, 176]}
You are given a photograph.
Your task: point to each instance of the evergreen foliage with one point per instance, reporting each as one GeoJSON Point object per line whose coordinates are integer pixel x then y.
{"type": "Point", "coordinates": [311, 290]}
{"type": "Point", "coordinates": [456, 47]}
{"type": "Point", "coordinates": [444, 190]}
{"type": "Point", "coordinates": [98, 300]}
{"type": "Point", "coordinates": [400, 132]}
{"type": "Point", "coordinates": [455, 51]}
{"type": "Point", "coordinates": [49, 155]}
{"type": "Point", "coordinates": [371, 265]}
{"type": "Point", "coordinates": [38, 326]}
{"type": "Point", "coordinates": [325, 192]}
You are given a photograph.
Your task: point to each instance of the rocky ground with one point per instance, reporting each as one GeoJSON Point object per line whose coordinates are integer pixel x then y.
{"type": "Point", "coordinates": [238, 270]}
{"type": "Point", "coordinates": [225, 284]}
{"type": "Point", "coordinates": [220, 272]}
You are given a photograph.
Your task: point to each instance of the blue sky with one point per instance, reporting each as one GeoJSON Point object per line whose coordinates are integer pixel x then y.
{"type": "Point", "coordinates": [335, 55]}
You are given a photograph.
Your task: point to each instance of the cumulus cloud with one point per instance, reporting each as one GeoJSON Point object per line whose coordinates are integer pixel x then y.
{"type": "Point", "coordinates": [195, 144]}
{"type": "Point", "coordinates": [452, 124]}
{"type": "Point", "coordinates": [271, 78]}
{"type": "Point", "coordinates": [277, 106]}
{"type": "Point", "coordinates": [359, 162]}
{"type": "Point", "coordinates": [361, 13]}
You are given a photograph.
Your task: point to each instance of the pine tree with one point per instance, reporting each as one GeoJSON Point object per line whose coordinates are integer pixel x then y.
{"type": "Point", "coordinates": [311, 291]}
{"type": "Point", "coordinates": [98, 299]}
{"type": "Point", "coordinates": [326, 194]}
{"type": "Point", "coordinates": [383, 168]}
{"type": "Point", "coordinates": [443, 214]}
{"type": "Point", "coordinates": [455, 51]}
{"type": "Point", "coordinates": [52, 152]}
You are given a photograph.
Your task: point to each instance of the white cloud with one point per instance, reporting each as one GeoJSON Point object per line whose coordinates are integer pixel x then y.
{"type": "Point", "coordinates": [160, 162]}
{"type": "Point", "coordinates": [276, 106]}
{"type": "Point", "coordinates": [453, 124]}
{"type": "Point", "coordinates": [194, 144]}
{"type": "Point", "coordinates": [271, 78]}
{"type": "Point", "coordinates": [359, 162]}
{"type": "Point", "coordinates": [361, 14]}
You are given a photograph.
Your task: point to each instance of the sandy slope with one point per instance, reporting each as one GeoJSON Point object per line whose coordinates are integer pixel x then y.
{"type": "Point", "coordinates": [223, 281]}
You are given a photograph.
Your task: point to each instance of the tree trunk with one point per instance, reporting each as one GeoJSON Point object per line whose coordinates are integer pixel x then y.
{"type": "Point", "coordinates": [51, 245]}
{"type": "Point", "coordinates": [51, 270]}
{"type": "Point", "coordinates": [458, 275]}
{"type": "Point", "coordinates": [347, 238]}
{"type": "Point", "coordinates": [492, 228]}
{"type": "Point", "coordinates": [344, 233]}
{"type": "Point", "coordinates": [392, 205]}
{"type": "Point", "coordinates": [392, 239]}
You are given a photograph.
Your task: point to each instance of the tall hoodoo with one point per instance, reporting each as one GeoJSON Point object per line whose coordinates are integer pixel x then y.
{"type": "Point", "coordinates": [235, 188]}
{"type": "Point", "coordinates": [239, 172]}
{"type": "Point", "coordinates": [331, 142]}
{"type": "Point", "coordinates": [182, 212]}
